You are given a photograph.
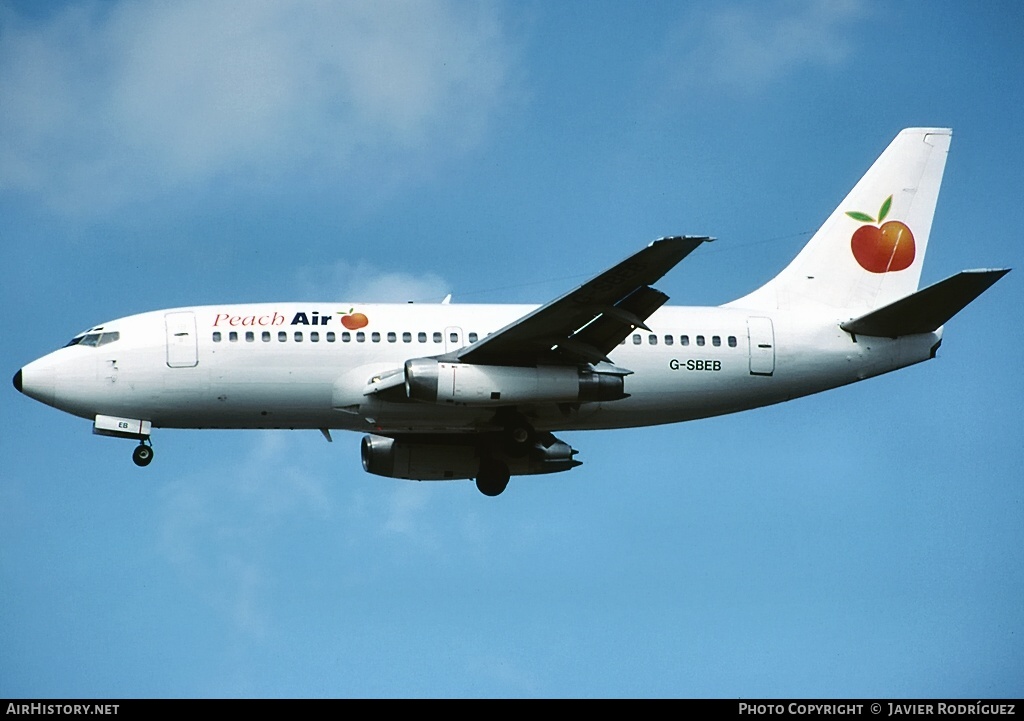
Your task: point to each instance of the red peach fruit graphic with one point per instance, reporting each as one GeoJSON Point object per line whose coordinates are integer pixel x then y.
{"type": "Point", "coordinates": [354, 321]}
{"type": "Point", "coordinates": [884, 249]}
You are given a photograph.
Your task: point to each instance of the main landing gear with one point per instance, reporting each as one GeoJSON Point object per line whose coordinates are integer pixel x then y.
{"type": "Point", "coordinates": [513, 442]}
{"type": "Point", "coordinates": [143, 454]}
{"type": "Point", "coordinates": [492, 477]}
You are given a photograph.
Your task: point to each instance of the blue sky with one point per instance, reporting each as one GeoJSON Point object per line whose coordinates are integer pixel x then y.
{"type": "Point", "coordinates": [863, 542]}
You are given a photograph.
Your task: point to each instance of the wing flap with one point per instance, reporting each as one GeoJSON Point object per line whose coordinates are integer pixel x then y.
{"type": "Point", "coordinates": [588, 322]}
{"type": "Point", "coordinates": [927, 309]}
{"type": "Point", "coordinates": [614, 324]}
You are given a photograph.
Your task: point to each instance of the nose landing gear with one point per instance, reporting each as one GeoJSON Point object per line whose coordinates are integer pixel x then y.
{"type": "Point", "coordinates": [143, 454]}
{"type": "Point", "coordinates": [132, 428]}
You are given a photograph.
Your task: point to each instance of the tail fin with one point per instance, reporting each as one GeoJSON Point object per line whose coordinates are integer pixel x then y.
{"type": "Point", "coordinates": [870, 251]}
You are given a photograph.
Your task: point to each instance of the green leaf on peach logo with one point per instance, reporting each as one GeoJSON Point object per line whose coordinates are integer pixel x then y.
{"type": "Point", "coordinates": [862, 217]}
{"type": "Point", "coordinates": [865, 218]}
{"type": "Point", "coordinates": [884, 210]}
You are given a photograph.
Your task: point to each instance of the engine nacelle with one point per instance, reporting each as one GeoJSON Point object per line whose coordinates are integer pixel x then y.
{"type": "Point", "coordinates": [449, 459]}
{"type": "Point", "coordinates": [433, 381]}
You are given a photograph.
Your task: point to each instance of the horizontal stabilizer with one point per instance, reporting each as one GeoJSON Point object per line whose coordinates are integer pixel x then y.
{"type": "Point", "coordinates": [926, 310]}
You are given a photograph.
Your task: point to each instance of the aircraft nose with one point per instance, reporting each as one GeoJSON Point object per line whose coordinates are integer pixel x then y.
{"type": "Point", "coordinates": [37, 380]}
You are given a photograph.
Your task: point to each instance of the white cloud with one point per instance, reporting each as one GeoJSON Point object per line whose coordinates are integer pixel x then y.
{"type": "Point", "coordinates": [105, 102]}
{"type": "Point", "coordinates": [223, 522]}
{"type": "Point", "coordinates": [748, 45]}
{"type": "Point", "coordinates": [363, 282]}
{"type": "Point", "coordinates": [407, 511]}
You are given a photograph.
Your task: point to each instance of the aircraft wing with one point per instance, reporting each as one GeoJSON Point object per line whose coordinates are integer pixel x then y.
{"type": "Point", "coordinates": [584, 325]}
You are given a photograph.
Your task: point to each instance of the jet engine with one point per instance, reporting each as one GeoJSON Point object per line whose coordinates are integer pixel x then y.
{"type": "Point", "coordinates": [434, 381]}
{"type": "Point", "coordinates": [442, 458]}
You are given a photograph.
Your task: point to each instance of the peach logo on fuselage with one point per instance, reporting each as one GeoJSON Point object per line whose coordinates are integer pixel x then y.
{"type": "Point", "coordinates": [885, 247]}
{"type": "Point", "coordinates": [353, 321]}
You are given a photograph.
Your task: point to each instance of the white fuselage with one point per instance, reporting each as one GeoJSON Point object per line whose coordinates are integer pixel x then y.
{"type": "Point", "coordinates": [295, 365]}
{"type": "Point", "coordinates": [476, 391]}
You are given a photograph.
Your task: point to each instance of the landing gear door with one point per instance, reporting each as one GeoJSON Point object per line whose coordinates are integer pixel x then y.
{"type": "Point", "coordinates": [761, 335]}
{"type": "Point", "coordinates": [182, 343]}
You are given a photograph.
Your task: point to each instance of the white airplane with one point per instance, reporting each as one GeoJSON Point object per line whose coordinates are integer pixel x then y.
{"type": "Point", "coordinates": [474, 391]}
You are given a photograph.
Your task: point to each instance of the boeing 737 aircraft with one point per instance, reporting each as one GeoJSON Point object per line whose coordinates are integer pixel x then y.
{"type": "Point", "coordinates": [475, 391]}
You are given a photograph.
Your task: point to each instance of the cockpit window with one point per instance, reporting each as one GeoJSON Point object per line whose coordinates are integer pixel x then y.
{"type": "Point", "coordinates": [94, 339]}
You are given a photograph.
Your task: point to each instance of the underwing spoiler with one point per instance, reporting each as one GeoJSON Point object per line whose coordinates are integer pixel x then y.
{"type": "Point", "coordinates": [584, 325]}
{"type": "Point", "coordinates": [928, 309]}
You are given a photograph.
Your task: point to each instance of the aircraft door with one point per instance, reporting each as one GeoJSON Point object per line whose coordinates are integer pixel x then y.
{"type": "Point", "coordinates": [761, 335]}
{"type": "Point", "coordinates": [182, 343]}
{"type": "Point", "coordinates": [452, 339]}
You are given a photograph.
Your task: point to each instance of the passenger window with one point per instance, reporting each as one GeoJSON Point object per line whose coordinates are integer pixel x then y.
{"type": "Point", "coordinates": [716, 340]}
{"type": "Point", "coordinates": [281, 336]}
{"type": "Point", "coordinates": [407, 337]}
{"type": "Point", "coordinates": [375, 337]}
{"type": "Point", "coordinates": [437, 337]}
{"type": "Point", "coordinates": [636, 339]}
{"type": "Point", "coordinates": [473, 337]}
{"type": "Point", "coordinates": [421, 337]}
{"type": "Point", "coordinates": [668, 340]}
{"type": "Point", "coordinates": [732, 341]}
{"type": "Point", "coordinates": [266, 336]}
{"type": "Point", "coordinates": [330, 336]}
{"type": "Point", "coordinates": [233, 336]}
{"type": "Point", "coordinates": [360, 337]}
{"type": "Point", "coordinates": [249, 336]}
{"type": "Point", "coordinates": [346, 337]}
{"type": "Point", "coordinates": [392, 337]}
{"type": "Point", "coordinates": [652, 339]}
{"type": "Point", "coordinates": [314, 337]}
{"type": "Point", "coordinates": [700, 340]}
{"type": "Point", "coordinates": [216, 336]}
{"type": "Point", "coordinates": [684, 340]}
{"type": "Point", "coordinates": [298, 336]}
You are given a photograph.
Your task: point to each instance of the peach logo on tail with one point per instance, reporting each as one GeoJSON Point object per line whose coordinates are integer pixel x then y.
{"type": "Point", "coordinates": [885, 247]}
{"type": "Point", "coordinates": [353, 321]}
